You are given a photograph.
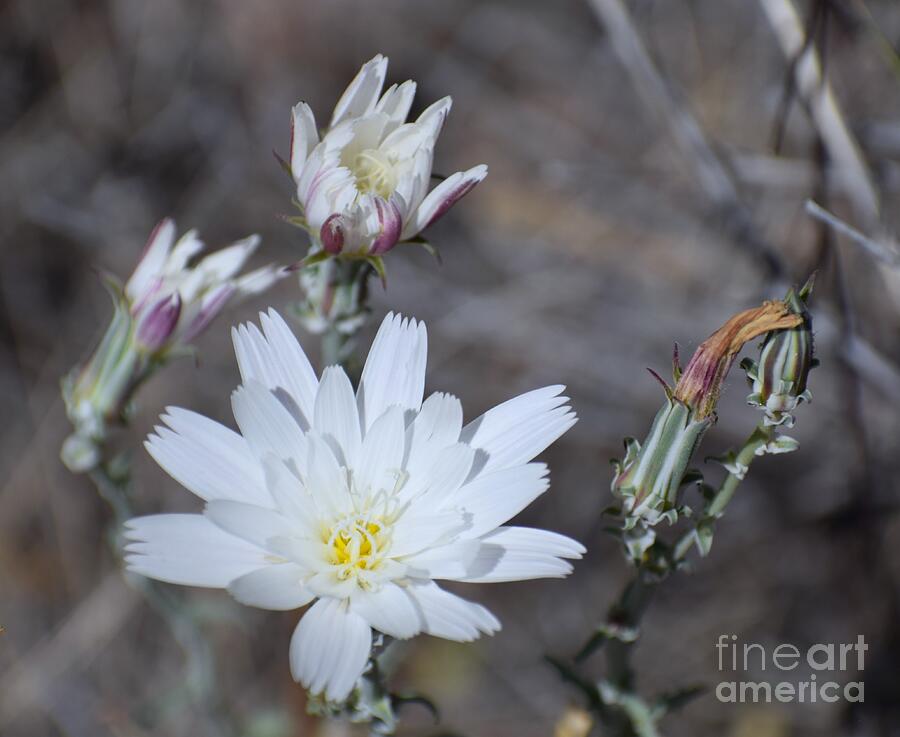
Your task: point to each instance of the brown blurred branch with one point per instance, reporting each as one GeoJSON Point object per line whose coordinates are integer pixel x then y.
{"type": "Point", "coordinates": [818, 99]}
{"type": "Point", "coordinates": [715, 180]}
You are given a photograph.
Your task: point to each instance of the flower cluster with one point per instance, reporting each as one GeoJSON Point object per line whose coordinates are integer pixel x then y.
{"type": "Point", "coordinates": [363, 186]}
{"type": "Point", "coordinates": [164, 306]}
{"type": "Point", "coordinates": [355, 502]}
{"type": "Point", "coordinates": [653, 472]}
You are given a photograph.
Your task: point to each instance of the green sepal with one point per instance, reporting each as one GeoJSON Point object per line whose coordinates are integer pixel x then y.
{"type": "Point", "coordinates": [377, 263]}
{"type": "Point", "coordinates": [285, 166]}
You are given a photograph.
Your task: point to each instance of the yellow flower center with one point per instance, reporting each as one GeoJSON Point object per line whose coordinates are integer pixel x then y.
{"type": "Point", "coordinates": [374, 173]}
{"type": "Point", "coordinates": [355, 545]}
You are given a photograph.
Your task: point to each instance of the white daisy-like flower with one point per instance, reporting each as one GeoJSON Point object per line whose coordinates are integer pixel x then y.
{"type": "Point", "coordinates": [355, 502]}
{"type": "Point", "coordinates": [363, 186]}
{"type": "Point", "coordinates": [172, 302]}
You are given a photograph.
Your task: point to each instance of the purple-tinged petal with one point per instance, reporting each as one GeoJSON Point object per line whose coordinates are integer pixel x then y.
{"type": "Point", "coordinates": [333, 233]}
{"type": "Point", "coordinates": [157, 325]}
{"type": "Point", "coordinates": [153, 259]}
{"type": "Point", "coordinates": [390, 221]}
{"type": "Point", "coordinates": [443, 197]}
{"type": "Point", "coordinates": [212, 305]}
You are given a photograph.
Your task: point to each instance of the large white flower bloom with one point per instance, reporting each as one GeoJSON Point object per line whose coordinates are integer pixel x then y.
{"type": "Point", "coordinates": [354, 501]}
{"type": "Point", "coordinates": [364, 186]}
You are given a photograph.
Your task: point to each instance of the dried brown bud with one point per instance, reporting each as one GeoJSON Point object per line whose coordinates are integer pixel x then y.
{"type": "Point", "coordinates": [701, 382]}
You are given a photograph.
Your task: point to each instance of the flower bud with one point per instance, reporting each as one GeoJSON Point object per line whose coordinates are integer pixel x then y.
{"type": "Point", "coordinates": [332, 234]}
{"type": "Point", "coordinates": [164, 305]}
{"type": "Point", "coordinates": [778, 380]}
{"type": "Point", "coordinates": [652, 473]}
{"type": "Point", "coordinates": [157, 324]}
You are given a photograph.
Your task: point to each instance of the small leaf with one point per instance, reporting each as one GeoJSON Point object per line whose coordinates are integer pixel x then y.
{"type": "Point", "coordinates": [377, 263]}
{"type": "Point", "coordinates": [284, 165]}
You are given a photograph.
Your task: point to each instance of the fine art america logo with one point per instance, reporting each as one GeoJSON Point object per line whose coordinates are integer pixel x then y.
{"type": "Point", "coordinates": [812, 674]}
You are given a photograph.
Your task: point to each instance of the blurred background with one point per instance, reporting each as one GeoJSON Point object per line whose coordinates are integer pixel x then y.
{"type": "Point", "coordinates": [649, 162]}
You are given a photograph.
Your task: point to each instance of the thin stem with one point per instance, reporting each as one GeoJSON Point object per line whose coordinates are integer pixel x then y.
{"type": "Point", "coordinates": [758, 438]}
{"type": "Point", "coordinates": [115, 489]}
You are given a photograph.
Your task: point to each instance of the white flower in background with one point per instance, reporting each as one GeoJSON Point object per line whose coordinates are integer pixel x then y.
{"type": "Point", "coordinates": [171, 302]}
{"type": "Point", "coordinates": [355, 502]}
{"type": "Point", "coordinates": [364, 186]}
{"type": "Point", "coordinates": [164, 305]}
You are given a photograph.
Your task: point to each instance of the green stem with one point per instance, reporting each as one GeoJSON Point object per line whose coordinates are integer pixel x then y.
{"type": "Point", "coordinates": [701, 532]}
{"type": "Point", "coordinates": [115, 489]}
{"type": "Point", "coordinates": [759, 437]}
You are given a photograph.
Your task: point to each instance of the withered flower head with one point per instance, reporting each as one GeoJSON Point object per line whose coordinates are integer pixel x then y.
{"type": "Point", "coordinates": [701, 383]}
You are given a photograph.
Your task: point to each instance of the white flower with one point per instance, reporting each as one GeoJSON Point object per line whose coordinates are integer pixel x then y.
{"type": "Point", "coordinates": [364, 186]}
{"type": "Point", "coordinates": [354, 501]}
{"type": "Point", "coordinates": [161, 309]}
{"type": "Point", "coordinates": [171, 302]}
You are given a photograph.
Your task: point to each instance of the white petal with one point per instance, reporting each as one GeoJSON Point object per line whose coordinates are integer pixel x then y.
{"type": "Point", "coordinates": [267, 425]}
{"type": "Point", "coordinates": [517, 430]}
{"type": "Point", "coordinates": [227, 262]}
{"type": "Point", "coordinates": [153, 259]}
{"type": "Point", "coordinates": [188, 549]}
{"type": "Point", "coordinates": [188, 246]}
{"type": "Point", "coordinates": [449, 616]}
{"type": "Point", "coordinates": [452, 561]}
{"type": "Point", "coordinates": [390, 610]}
{"type": "Point", "coordinates": [396, 101]}
{"type": "Point", "coordinates": [330, 648]}
{"type": "Point", "coordinates": [434, 115]}
{"type": "Point", "coordinates": [493, 498]}
{"type": "Point", "coordinates": [423, 528]}
{"type": "Point", "coordinates": [434, 477]}
{"type": "Point", "coordinates": [207, 458]}
{"type": "Point", "coordinates": [361, 95]}
{"type": "Point", "coordinates": [290, 495]}
{"type": "Point", "coordinates": [277, 587]}
{"type": "Point", "coordinates": [531, 540]}
{"type": "Point", "coordinates": [439, 420]}
{"type": "Point", "coordinates": [442, 198]}
{"type": "Point", "coordinates": [256, 525]}
{"type": "Point", "coordinates": [518, 554]}
{"type": "Point", "coordinates": [258, 280]}
{"type": "Point", "coordinates": [335, 415]}
{"type": "Point", "coordinates": [278, 362]}
{"type": "Point", "coordinates": [381, 459]}
{"type": "Point", "coordinates": [413, 184]}
{"type": "Point", "coordinates": [406, 140]}
{"type": "Point", "coordinates": [395, 368]}
{"type": "Point", "coordinates": [325, 480]}
{"type": "Point", "coordinates": [304, 136]}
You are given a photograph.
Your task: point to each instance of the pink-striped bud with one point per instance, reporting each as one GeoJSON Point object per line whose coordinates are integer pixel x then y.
{"type": "Point", "coordinates": [156, 325]}
{"type": "Point", "coordinates": [332, 234]}
{"type": "Point", "coordinates": [391, 222]}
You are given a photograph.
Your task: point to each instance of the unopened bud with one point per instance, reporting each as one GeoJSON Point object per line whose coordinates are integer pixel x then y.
{"type": "Point", "coordinates": [779, 379]}
{"type": "Point", "coordinates": [332, 234]}
{"type": "Point", "coordinates": [653, 472]}
{"type": "Point", "coordinates": [157, 324]}
{"type": "Point", "coordinates": [649, 477]}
